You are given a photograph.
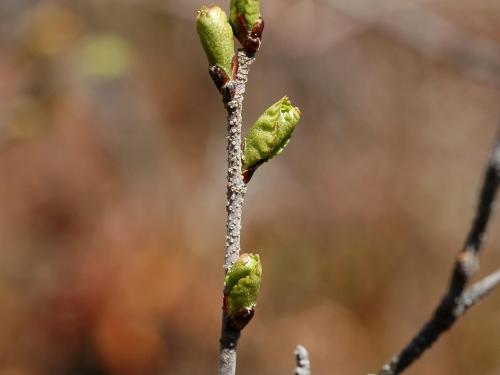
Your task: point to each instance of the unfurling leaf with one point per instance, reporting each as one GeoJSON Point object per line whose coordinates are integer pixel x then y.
{"type": "Point", "coordinates": [241, 287]}
{"type": "Point", "coordinates": [247, 23]}
{"type": "Point", "coordinates": [217, 38]}
{"type": "Point", "coordinates": [269, 135]}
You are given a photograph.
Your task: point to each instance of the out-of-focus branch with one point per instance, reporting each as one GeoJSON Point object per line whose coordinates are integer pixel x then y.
{"type": "Point", "coordinates": [302, 361]}
{"type": "Point", "coordinates": [476, 293]}
{"type": "Point", "coordinates": [427, 32]}
{"type": "Point", "coordinates": [457, 299]}
{"type": "Point", "coordinates": [236, 190]}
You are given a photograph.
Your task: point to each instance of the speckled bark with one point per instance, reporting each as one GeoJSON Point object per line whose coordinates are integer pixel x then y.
{"type": "Point", "coordinates": [236, 190]}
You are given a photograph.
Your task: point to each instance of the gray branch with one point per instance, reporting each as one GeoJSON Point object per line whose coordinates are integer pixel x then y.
{"type": "Point", "coordinates": [236, 190]}
{"type": "Point", "coordinates": [453, 304]}
{"type": "Point", "coordinates": [302, 360]}
{"type": "Point", "coordinates": [476, 293]}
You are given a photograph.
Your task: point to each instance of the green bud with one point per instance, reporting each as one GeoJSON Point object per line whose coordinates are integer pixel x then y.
{"type": "Point", "coordinates": [247, 24]}
{"type": "Point", "coordinates": [269, 135]}
{"type": "Point", "coordinates": [242, 285]}
{"type": "Point", "coordinates": [216, 36]}
{"type": "Point", "coordinates": [248, 10]}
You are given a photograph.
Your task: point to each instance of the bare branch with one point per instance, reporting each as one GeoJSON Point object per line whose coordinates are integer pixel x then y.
{"type": "Point", "coordinates": [451, 306]}
{"type": "Point", "coordinates": [302, 360]}
{"type": "Point", "coordinates": [476, 293]}
{"type": "Point", "coordinates": [236, 190]}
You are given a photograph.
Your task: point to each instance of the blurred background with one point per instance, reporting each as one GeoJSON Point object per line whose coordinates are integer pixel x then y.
{"type": "Point", "coordinates": [112, 192]}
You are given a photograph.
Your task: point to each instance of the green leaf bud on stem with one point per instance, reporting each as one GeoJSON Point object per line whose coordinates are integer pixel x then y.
{"type": "Point", "coordinates": [248, 10]}
{"type": "Point", "coordinates": [269, 135]}
{"type": "Point", "coordinates": [247, 23]}
{"type": "Point", "coordinates": [217, 39]}
{"type": "Point", "coordinates": [241, 287]}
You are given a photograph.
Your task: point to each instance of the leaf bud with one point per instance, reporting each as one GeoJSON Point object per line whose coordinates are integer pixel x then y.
{"type": "Point", "coordinates": [247, 23]}
{"type": "Point", "coordinates": [217, 39]}
{"type": "Point", "coordinates": [269, 135]}
{"type": "Point", "coordinates": [241, 287]}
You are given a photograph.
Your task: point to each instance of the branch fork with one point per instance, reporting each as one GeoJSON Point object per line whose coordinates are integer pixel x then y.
{"type": "Point", "coordinates": [458, 299]}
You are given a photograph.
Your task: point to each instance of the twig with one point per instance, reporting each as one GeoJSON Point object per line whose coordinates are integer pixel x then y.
{"type": "Point", "coordinates": [236, 190]}
{"type": "Point", "coordinates": [451, 306]}
{"type": "Point", "coordinates": [476, 293]}
{"type": "Point", "coordinates": [302, 360]}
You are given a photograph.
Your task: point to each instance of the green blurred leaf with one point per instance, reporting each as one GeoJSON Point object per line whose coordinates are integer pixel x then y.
{"type": "Point", "coordinates": [106, 56]}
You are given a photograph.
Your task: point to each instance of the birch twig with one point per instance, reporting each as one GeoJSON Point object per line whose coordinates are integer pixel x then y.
{"type": "Point", "coordinates": [236, 190]}
{"type": "Point", "coordinates": [457, 299]}
{"type": "Point", "coordinates": [302, 360]}
{"type": "Point", "coordinates": [477, 292]}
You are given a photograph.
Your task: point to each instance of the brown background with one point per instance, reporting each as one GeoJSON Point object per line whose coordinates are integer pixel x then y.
{"type": "Point", "coordinates": [112, 192]}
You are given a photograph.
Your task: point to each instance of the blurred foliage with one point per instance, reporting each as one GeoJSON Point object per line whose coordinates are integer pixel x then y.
{"type": "Point", "coordinates": [105, 56]}
{"type": "Point", "coordinates": [113, 162]}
